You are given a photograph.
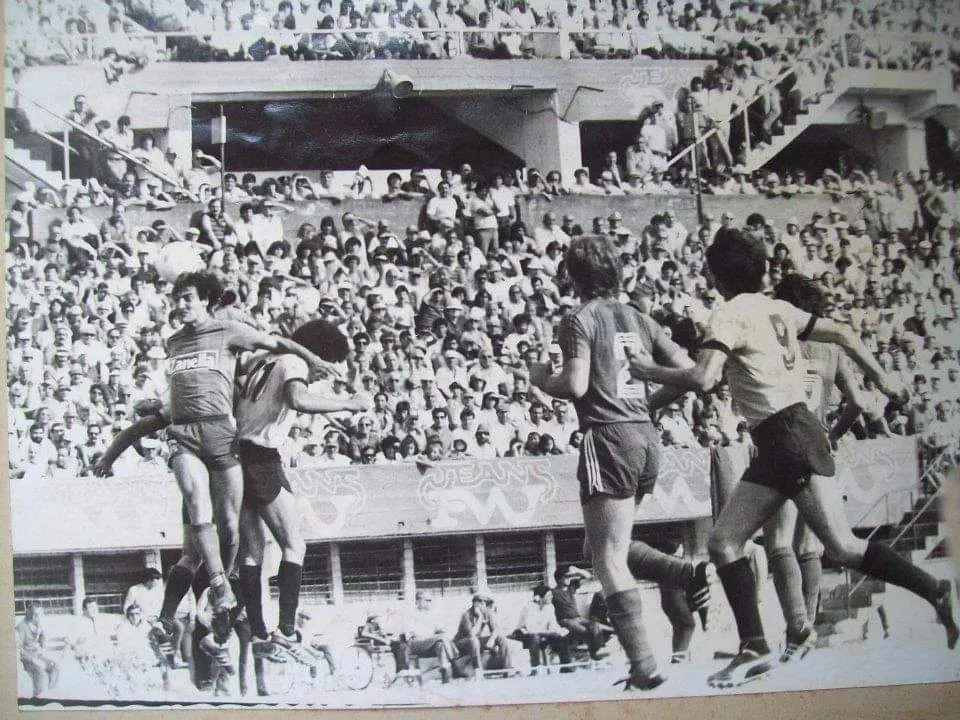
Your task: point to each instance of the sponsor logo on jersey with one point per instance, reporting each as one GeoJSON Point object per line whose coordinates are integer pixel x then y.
{"type": "Point", "coordinates": [200, 360]}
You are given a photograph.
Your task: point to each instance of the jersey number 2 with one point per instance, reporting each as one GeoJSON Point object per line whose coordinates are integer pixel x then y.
{"type": "Point", "coordinates": [789, 355]}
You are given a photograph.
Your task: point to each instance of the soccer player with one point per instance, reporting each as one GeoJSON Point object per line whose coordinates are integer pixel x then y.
{"type": "Point", "coordinates": [756, 339]}
{"type": "Point", "coordinates": [201, 372]}
{"type": "Point", "coordinates": [620, 450]}
{"type": "Point", "coordinates": [273, 390]}
{"type": "Point", "coordinates": [793, 551]}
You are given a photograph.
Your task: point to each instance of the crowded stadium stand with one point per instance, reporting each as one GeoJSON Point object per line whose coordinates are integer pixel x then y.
{"type": "Point", "coordinates": [419, 188]}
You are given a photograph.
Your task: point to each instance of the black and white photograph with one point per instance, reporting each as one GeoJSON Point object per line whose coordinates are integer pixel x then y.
{"type": "Point", "coordinates": [383, 354]}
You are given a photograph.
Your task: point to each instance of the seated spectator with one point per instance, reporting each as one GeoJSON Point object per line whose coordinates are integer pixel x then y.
{"type": "Point", "coordinates": [539, 630]}
{"type": "Point", "coordinates": [421, 636]}
{"type": "Point", "coordinates": [479, 638]}
{"type": "Point", "coordinates": [568, 614]}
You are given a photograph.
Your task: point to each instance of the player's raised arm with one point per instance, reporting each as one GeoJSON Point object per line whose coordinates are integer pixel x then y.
{"type": "Point", "coordinates": [248, 338]}
{"type": "Point", "coordinates": [127, 437]}
{"type": "Point", "coordinates": [829, 331]}
{"type": "Point", "coordinates": [698, 377]}
{"type": "Point", "coordinates": [299, 397]}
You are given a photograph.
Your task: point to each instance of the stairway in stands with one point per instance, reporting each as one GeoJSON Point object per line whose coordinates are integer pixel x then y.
{"type": "Point", "coordinates": [848, 609]}
{"type": "Point", "coordinates": [23, 167]}
{"type": "Point", "coordinates": [762, 153]}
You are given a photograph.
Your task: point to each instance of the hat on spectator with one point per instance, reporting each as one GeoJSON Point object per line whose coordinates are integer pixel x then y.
{"type": "Point", "coordinates": [615, 215]}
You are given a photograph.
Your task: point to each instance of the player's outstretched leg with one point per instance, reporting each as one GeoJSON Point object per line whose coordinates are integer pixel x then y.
{"type": "Point", "coordinates": [670, 572]}
{"type": "Point", "coordinates": [821, 507]}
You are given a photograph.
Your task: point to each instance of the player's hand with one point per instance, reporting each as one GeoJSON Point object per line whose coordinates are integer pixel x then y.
{"type": "Point", "coordinates": [894, 389]}
{"type": "Point", "coordinates": [641, 363]}
{"type": "Point", "coordinates": [360, 402]}
{"type": "Point", "coordinates": [323, 369]}
{"type": "Point", "coordinates": [101, 469]}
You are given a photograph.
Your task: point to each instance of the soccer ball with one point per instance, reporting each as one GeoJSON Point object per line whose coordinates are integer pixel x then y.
{"type": "Point", "coordinates": [177, 258]}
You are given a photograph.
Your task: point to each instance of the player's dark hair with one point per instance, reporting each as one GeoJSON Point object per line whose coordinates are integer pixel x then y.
{"type": "Point", "coordinates": [208, 286]}
{"type": "Point", "coordinates": [592, 263]}
{"type": "Point", "coordinates": [802, 292]}
{"type": "Point", "coordinates": [738, 261]}
{"type": "Point", "coordinates": [323, 339]}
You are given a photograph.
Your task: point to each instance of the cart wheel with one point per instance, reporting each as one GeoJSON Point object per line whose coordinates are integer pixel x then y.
{"type": "Point", "coordinates": [356, 667]}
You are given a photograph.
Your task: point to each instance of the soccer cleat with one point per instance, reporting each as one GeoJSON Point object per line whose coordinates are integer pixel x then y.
{"type": "Point", "coordinates": [698, 592]}
{"type": "Point", "coordinates": [680, 657]}
{"type": "Point", "coordinates": [747, 666]}
{"type": "Point", "coordinates": [635, 682]}
{"type": "Point", "coordinates": [161, 636]}
{"type": "Point", "coordinates": [944, 607]}
{"type": "Point", "coordinates": [267, 650]}
{"type": "Point", "coordinates": [799, 647]}
{"type": "Point", "coordinates": [284, 640]}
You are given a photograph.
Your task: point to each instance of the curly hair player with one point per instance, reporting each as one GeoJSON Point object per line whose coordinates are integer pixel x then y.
{"type": "Point", "coordinates": [619, 455]}
{"type": "Point", "coordinates": [757, 339]}
{"type": "Point", "coordinates": [201, 373]}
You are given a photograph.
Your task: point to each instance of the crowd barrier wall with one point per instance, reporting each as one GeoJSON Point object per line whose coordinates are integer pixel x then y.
{"type": "Point", "coordinates": [636, 211]}
{"type": "Point", "coordinates": [414, 499]}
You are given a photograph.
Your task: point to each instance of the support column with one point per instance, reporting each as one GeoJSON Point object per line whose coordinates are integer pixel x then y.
{"type": "Point", "coordinates": [78, 587]}
{"type": "Point", "coordinates": [151, 558]}
{"type": "Point", "coordinates": [409, 580]}
{"type": "Point", "coordinates": [915, 145]}
{"type": "Point", "coordinates": [180, 126]}
{"type": "Point", "coordinates": [336, 575]}
{"type": "Point", "coordinates": [480, 558]}
{"type": "Point", "coordinates": [549, 556]}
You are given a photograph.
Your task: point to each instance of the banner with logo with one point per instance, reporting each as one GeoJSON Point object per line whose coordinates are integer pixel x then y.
{"type": "Point", "coordinates": [354, 502]}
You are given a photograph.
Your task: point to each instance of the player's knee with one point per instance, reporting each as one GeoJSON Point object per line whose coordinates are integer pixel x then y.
{"type": "Point", "coordinates": [294, 549]}
{"type": "Point", "coordinates": [723, 548]}
{"type": "Point", "coordinates": [778, 552]}
{"type": "Point", "coordinates": [843, 551]}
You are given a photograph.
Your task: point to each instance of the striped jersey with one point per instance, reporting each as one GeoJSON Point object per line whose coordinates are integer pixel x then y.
{"type": "Point", "coordinates": [263, 415]}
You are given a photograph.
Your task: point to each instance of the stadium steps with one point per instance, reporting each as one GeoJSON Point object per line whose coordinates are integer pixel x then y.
{"type": "Point", "coordinates": [762, 153]}
{"type": "Point", "coordinates": [845, 609]}
{"type": "Point", "coordinates": [22, 166]}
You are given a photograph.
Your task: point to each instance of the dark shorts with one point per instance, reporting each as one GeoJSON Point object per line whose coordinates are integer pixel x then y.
{"type": "Point", "coordinates": [263, 475]}
{"type": "Point", "coordinates": [791, 446]}
{"type": "Point", "coordinates": [213, 441]}
{"type": "Point", "coordinates": [619, 459]}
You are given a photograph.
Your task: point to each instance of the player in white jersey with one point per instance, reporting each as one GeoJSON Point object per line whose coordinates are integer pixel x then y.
{"type": "Point", "coordinates": [793, 552]}
{"type": "Point", "coordinates": [757, 339]}
{"type": "Point", "coordinates": [273, 390]}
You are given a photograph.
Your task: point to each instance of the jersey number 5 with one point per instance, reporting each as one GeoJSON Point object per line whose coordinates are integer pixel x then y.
{"type": "Point", "coordinates": [789, 355]}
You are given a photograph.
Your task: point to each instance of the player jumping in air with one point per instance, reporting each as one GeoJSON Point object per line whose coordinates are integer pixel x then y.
{"type": "Point", "coordinates": [273, 390]}
{"type": "Point", "coordinates": [619, 455]}
{"type": "Point", "coordinates": [201, 372]}
{"type": "Point", "coordinates": [757, 339]}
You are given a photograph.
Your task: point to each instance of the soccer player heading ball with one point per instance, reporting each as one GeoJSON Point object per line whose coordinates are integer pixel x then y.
{"type": "Point", "coordinates": [756, 339]}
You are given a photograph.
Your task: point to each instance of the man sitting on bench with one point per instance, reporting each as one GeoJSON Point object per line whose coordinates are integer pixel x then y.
{"type": "Point", "coordinates": [581, 629]}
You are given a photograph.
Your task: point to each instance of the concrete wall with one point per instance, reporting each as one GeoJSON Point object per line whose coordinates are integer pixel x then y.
{"type": "Point", "coordinates": [636, 211]}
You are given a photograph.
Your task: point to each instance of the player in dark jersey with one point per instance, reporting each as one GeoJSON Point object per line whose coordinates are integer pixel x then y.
{"type": "Point", "coordinates": [756, 338]}
{"type": "Point", "coordinates": [793, 551]}
{"type": "Point", "coordinates": [619, 454]}
{"type": "Point", "coordinates": [201, 372]}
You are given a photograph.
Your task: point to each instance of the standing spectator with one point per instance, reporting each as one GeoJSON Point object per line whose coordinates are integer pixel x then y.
{"type": "Point", "coordinates": [31, 647]}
